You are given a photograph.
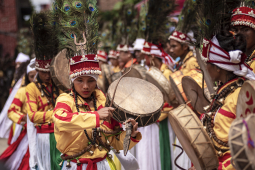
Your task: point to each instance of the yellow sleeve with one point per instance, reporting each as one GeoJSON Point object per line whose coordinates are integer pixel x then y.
{"type": "Point", "coordinates": [225, 116]}
{"type": "Point", "coordinates": [14, 112]}
{"type": "Point", "coordinates": [253, 65]}
{"type": "Point", "coordinates": [65, 119]}
{"type": "Point", "coordinates": [189, 65]}
{"type": "Point", "coordinates": [35, 116]}
{"type": "Point", "coordinates": [118, 144]}
{"type": "Point", "coordinates": [165, 111]}
{"type": "Point", "coordinates": [167, 73]}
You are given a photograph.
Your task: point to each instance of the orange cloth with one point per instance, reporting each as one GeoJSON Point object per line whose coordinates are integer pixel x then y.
{"type": "Point", "coordinates": [39, 109]}
{"type": "Point", "coordinates": [129, 63]}
{"type": "Point", "coordinates": [18, 109]}
{"type": "Point", "coordinates": [222, 122]}
{"type": "Point", "coordinates": [70, 125]}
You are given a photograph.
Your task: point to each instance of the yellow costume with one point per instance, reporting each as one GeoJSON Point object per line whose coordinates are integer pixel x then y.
{"type": "Point", "coordinates": [70, 126]}
{"type": "Point", "coordinates": [17, 109]}
{"type": "Point", "coordinates": [39, 108]}
{"type": "Point", "coordinates": [222, 122]}
{"type": "Point", "coordinates": [189, 63]}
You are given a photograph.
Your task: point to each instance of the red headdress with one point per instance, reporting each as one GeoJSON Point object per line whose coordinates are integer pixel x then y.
{"type": "Point", "coordinates": [243, 16]}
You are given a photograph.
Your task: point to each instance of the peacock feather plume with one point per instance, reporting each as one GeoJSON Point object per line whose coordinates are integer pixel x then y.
{"type": "Point", "coordinates": [77, 23]}
{"type": "Point", "coordinates": [24, 41]}
{"type": "Point", "coordinates": [157, 20]}
{"type": "Point", "coordinates": [187, 18]}
{"type": "Point", "coordinates": [213, 16]}
{"type": "Point", "coordinates": [44, 35]}
{"type": "Point", "coordinates": [142, 20]}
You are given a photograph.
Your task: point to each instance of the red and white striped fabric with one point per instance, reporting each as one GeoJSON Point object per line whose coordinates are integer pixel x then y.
{"type": "Point", "coordinates": [180, 37]}
{"type": "Point", "coordinates": [243, 16]}
{"type": "Point", "coordinates": [230, 61]}
{"type": "Point", "coordinates": [102, 55]}
{"type": "Point", "coordinates": [113, 54]}
{"type": "Point", "coordinates": [158, 51]}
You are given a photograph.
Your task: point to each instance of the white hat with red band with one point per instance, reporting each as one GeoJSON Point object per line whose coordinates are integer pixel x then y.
{"type": "Point", "coordinates": [230, 61]}
{"type": "Point", "coordinates": [102, 55]}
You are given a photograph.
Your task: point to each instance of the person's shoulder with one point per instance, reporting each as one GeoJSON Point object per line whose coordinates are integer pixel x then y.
{"type": "Point", "coordinates": [31, 87]}
{"type": "Point", "coordinates": [22, 90]}
{"type": "Point", "coordinates": [65, 97]}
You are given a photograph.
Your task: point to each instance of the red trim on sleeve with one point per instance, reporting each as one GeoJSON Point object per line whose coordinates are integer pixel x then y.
{"type": "Point", "coordinates": [28, 101]}
{"type": "Point", "coordinates": [134, 140]}
{"type": "Point", "coordinates": [227, 114]}
{"type": "Point", "coordinates": [97, 119]}
{"type": "Point", "coordinates": [42, 105]}
{"type": "Point", "coordinates": [222, 159]}
{"type": "Point", "coordinates": [44, 114]}
{"type": "Point", "coordinates": [113, 124]}
{"type": "Point", "coordinates": [68, 117]}
{"type": "Point", "coordinates": [63, 106]}
{"type": "Point", "coordinates": [100, 107]}
{"type": "Point", "coordinates": [17, 102]}
{"type": "Point", "coordinates": [166, 105]}
{"type": "Point", "coordinates": [20, 119]}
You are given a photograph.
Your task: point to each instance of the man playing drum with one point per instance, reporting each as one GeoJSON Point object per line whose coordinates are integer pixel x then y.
{"type": "Point", "coordinates": [243, 21]}
{"type": "Point", "coordinates": [41, 95]}
{"type": "Point", "coordinates": [224, 55]}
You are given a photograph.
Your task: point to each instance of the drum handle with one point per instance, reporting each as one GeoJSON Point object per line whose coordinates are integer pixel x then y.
{"type": "Point", "coordinates": [119, 82]}
{"type": "Point", "coordinates": [175, 161]}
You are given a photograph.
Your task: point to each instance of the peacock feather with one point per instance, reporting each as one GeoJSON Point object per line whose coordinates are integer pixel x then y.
{"type": "Point", "coordinates": [157, 20]}
{"type": "Point", "coordinates": [24, 41]}
{"type": "Point", "coordinates": [213, 15]}
{"type": "Point", "coordinates": [187, 18]}
{"type": "Point", "coordinates": [77, 20]}
{"type": "Point", "coordinates": [142, 21]}
{"type": "Point", "coordinates": [44, 34]}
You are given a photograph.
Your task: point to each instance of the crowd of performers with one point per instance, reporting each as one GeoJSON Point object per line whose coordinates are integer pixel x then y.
{"type": "Point", "coordinates": [49, 129]}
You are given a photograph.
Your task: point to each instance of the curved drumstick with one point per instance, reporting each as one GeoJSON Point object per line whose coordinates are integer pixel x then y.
{"type": "Point", "coordinates": [175, 161]}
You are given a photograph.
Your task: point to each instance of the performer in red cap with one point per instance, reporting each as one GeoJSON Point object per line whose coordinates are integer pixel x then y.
{"type": "Point", "coordinates": [42, 93]}
{"type": "Point", "coordinates": [243, 21]}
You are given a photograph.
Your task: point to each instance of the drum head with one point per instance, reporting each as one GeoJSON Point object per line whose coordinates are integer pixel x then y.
{"type": "Point", "coordinates": [194, 94]}
{"type": "Point", "coordinates": [193, 138]}
{"type": "Point", "coordinates": [136, 71]}
{"type": "Point", "coordinates": [246, 100]}
{"type": "Point", "coordinates": [242, 155]}
{"type": "Point", "coordinates": [136, 97]}
{"type": "Point", "coordinates": [59, 70]}
{"type": "Point", "coordinates": [155, 76]}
